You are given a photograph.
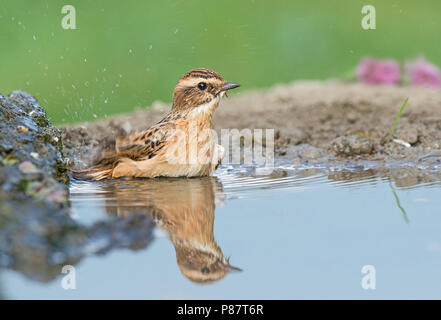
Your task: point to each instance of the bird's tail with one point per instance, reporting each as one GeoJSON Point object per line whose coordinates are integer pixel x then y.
{"type": "Point", "coordinates": [104, 161]}
{"type": "Point", "coordinates": [94, 173]}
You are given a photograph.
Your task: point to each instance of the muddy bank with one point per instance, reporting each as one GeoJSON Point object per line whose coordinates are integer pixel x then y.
{"type": "Point", "coordinates": [317, 123]}
{"type": "Point", "coordinates": [338, 119]}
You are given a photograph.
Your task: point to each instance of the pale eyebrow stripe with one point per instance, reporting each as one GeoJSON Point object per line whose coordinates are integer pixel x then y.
{"type": "Point", "coordinates": [191, 82]}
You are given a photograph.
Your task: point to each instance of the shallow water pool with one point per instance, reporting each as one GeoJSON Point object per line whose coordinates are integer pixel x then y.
{"type": "Point", "coordinates": [294, 233]}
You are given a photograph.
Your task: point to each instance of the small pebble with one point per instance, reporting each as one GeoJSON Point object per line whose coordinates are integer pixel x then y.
{"type": "Point", "coordinates": [35, 155]}
{"type": "Point", "coordinates": [351, 146]}
{"type": "Point", "coordinates": [27, 167]}
{"type": "Point", "coordinates": [23, 129]}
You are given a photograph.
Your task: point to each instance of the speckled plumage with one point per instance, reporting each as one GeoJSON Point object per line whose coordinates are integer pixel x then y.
{"type": "Point", "coordinates": [154, 151]}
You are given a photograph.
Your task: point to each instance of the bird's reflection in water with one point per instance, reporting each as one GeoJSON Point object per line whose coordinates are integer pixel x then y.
{"type": "Point", "coordinates": [185, 209]}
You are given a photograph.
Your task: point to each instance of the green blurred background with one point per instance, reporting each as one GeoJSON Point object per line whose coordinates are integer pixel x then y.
{"type": "Point", "coordinates": [127, 54]}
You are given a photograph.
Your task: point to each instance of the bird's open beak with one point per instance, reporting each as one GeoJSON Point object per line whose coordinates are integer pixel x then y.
{"type": "Point", "coordinates": [234, 269]}
{"type": "Point", "coordinates": [227, 266]}
{"type": "Point", "coordinates": [229, 86]}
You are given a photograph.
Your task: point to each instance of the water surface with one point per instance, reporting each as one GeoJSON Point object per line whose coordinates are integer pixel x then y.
{"type": "Point", "coordinates": [295, 233]}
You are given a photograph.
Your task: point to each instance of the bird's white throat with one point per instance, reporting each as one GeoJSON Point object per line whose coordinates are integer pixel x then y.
{"type": "Point", "coordinates": [205, 108]}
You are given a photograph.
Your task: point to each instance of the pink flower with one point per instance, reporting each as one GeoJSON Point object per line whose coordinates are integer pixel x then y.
{"type": "Point", "coordinates": [423, 73]}
{"type": "Point", "coordinates": [373, 71]}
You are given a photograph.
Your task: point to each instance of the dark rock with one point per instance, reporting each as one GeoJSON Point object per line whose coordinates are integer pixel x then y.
{"type": "Point", "coordinates": [28, 139]}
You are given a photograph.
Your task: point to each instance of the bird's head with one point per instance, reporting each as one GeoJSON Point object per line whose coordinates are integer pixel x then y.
{"type": "Point", "coordinates": [199, 91]}
{"type": "Point", "coordinates": [202, 266]}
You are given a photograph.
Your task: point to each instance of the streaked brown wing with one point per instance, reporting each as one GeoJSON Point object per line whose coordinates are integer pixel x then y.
{"type": "Point", "coordinates": [145, 144]}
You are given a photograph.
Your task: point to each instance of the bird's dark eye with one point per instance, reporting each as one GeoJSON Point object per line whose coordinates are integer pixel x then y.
{"type": "Point", "coordinates": [202, 85]}
{"type": "Point", "coordinates": [205, 270]}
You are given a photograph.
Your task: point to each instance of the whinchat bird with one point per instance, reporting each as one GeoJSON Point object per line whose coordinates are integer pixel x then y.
{"type": "Point", "coordinates": [182, 144]}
